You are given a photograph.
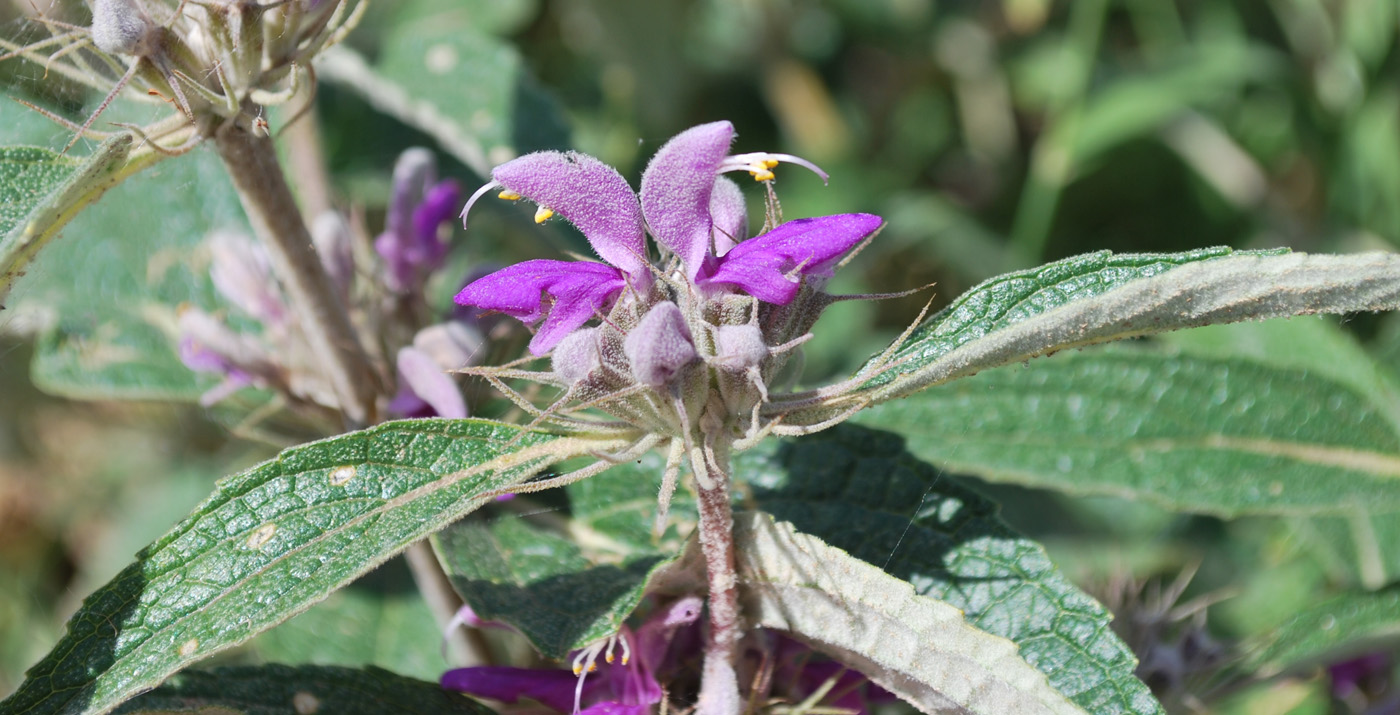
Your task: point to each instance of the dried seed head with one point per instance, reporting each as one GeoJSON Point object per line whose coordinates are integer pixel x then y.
{"type": "Point", "coordinates": [660, 345]}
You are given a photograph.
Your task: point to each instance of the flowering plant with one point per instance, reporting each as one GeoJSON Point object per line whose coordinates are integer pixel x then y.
{"type": "Point", "coordinates": [617, 482]}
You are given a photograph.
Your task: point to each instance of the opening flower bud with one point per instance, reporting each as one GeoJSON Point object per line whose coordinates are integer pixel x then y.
{"type": "Point", "coordinates": [660, 345]}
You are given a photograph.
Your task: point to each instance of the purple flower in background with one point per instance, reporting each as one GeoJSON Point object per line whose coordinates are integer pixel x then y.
{"type": "Point", "coordinates": [419, 205]}
{"type": "Point", "coordinates": [689, 207]}
{"type": "Point", "coordinates": [425, 388]}
{"type": "Point", "coordinates": [628, 685]}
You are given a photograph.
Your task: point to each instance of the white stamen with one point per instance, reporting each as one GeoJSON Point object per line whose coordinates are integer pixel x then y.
{"type": "Point", "coordinates": [761, 161]}
{"type": "Point", "coordinates": [479, 193]}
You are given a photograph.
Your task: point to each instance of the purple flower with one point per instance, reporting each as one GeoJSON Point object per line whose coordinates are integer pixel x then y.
{"type": "Point", "coordinates": [629, 685]}
{"type": "Point", "coordinates": [425, 388]}
{"type": "Point", "coordinates": [420, 204]}
{"type": "Point", "coordinates": [688, 206]}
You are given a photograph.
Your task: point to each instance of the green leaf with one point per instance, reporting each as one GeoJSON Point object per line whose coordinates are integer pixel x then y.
{"type": "Point", "coordinates": [497, 17]}
{"type": "Point", "coordinates": [916, 647]}
{"type": "Point", "coordinates": [1359, 548]}
{"type": "Point", "coordinates": [1099, 297]}
{"type": "Point", "coordinates": [1215, 435]}
{"type": "Point", "coordinates": [106, 297]}
{"type": "Point", "coordinates": [41, 190]}
{"type": "Point", "coordinates": [275, 539]}
{"type": "Point", "coordinates": [859, 490]}
{"type": "Point", "coordinates": [379, 620]}
{"type": "Point", "coordinates": [279, 689]}
{"type": "Point", "coordinates": [493, 110]}
{"type": "Point", "coordinates": [567, 584]}
{"type": "Point", "coordinates": [1349, 624]}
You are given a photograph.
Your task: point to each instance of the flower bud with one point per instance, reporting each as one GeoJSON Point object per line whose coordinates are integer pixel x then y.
{"type": "Point", "coordinates": [576, 355]}
{"type": "Point", "coordinates": [120, 27]}
{"type": "Point", "coordinates": [660, 345]}
{"type": "Point", "coordinates": [740, 347]}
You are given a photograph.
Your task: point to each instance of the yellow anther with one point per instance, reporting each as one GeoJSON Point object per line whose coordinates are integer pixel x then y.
{"type": "Point", "coordinates": [762, 175]}
{"type": "Point", "coordinates": [508, 195]}
{"type": "Point", "coordinates": [770, 163]}
{"type": "Point", "coordinates": [592, 667]}
{"type": "Point", "coordinates": [542, 214]}
{"type": "Point", "coordinates": [625, 658]}
{"type": "Point", "coordinates": [609, 658]}
{"type": "Point", "coordinates": [578, 668]}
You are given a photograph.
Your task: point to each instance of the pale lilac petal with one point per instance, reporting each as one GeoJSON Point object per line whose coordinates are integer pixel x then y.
{"type": "Point", "coordinates": [452, 344]}
{"type": "Point", "coordinates": [768, 267]}
{"type": "Point", "coordinates": [426, 379]}
{"type": "Point", "coordinates": [336, 247]}
{"type": "Point", "coordinates": [243, 275]}
{"type": "Point", "coordinates": [676, 190]}
{"type": "Point", "coordinates": [591, 195]}
{"type": "Point", "coordinates": [553, 687]}
{"type": "Point", "coordinates": [730, 214]}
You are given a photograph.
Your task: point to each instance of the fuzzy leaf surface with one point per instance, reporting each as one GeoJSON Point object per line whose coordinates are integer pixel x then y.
{"type": "Point", "coordinates": [41, 190]}
{"type": "Point", "coordinates": [859, 490]}
{"type": "Point", "coordinates": [379, 620]}
{"type": "Point", "coordinates": [1100, 297]}
{"type": "Point", "coordinates": [918, 648]}
{"type": "Point", "coordinates": [567, 583]}
{"type": "Point", "coordinates": [1224, 436]}
{"type": "Point", "coordinates": [1350, 624]}
{"type": "Point", "coordinates": [280, 689]}
{"type": "Point", "coordinates": [273, 540]}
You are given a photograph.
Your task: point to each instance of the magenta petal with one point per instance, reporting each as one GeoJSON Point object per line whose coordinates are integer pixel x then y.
{"type": "Point", "coordinates": [614, 708]}
{"type": "Point", "coordinates": [676, 190]}
{"type": "Point", "coordinates": [551, 687]}
{"type": "Point", "coordinates": [590, 194]}
{"type": "Point", "coordinates": [767, 266]}
{"type": "Point", "coordinates": [730, 214]}
{"type": "Point", "coordinates": [577, 290]}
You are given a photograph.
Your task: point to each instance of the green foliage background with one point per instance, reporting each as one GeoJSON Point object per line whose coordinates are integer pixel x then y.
{"type": "Point", "coordinates": [992, 136]}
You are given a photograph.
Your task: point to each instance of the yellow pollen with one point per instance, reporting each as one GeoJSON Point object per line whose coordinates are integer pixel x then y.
{"type": "Point", "coordinates": [578, 669]}
{"type": "Point", "coordinates": [761, 175]}
{"type": "Point", "coordinates": [592, 667]}
{"type": "Point", "coordinates": [624, 659]}
{"type": "Point", "coordinates": [609, 657]}
{"type": "Point", "coordinates": [508, 195]}
{"type": "Point", "coordinates": [770, 163]}
{"type": "Point", "coordinates": [543, 214]}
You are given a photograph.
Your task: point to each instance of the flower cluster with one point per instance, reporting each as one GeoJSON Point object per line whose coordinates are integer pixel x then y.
{"type": "Point", "coordinates": [698, 335]}
{"type": "Point", "coordinates": [275, 355]}
{"type": "Point", "coordinates": [213, 61]}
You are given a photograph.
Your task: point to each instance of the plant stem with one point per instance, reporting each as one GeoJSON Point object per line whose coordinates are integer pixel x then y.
{"type": "Point", "coordinates": [252, 163]}
{"type": "Point", "coordinates": [467, 645]}
{"type": "Point", "coordinates": [719, 687]}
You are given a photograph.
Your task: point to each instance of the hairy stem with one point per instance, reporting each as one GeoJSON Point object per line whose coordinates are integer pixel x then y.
{"type": "Point", "coordinates": [719, 689]}
{"type": "Point", "coordinates": [252, 163]}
